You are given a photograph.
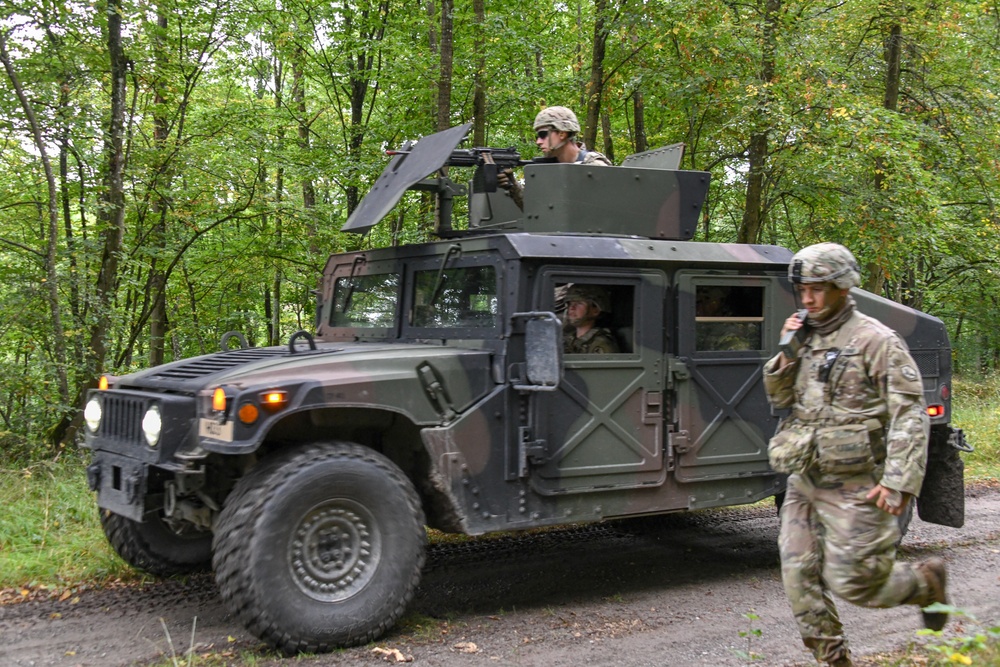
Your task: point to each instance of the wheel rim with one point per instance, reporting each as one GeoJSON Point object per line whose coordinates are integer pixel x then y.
{"type": "Point", "coordinates": [335, 550]}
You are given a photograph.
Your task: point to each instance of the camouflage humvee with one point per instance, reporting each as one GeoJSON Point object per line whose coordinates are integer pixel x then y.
{"type": "Point", "coordinates": [435, 392]}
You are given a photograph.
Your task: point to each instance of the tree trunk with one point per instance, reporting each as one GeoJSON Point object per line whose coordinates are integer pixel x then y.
{"type": "Point", "coordinates": [447, 65]}
{"type": "Point", "coordinates": [757, 152]}
{"type": "Point", "coordinates": [639, 111]}
{"type": "Point", "coordinates": [479, 78]}
{"type": "Point", "coordinates": [890, 100]}
{"type": "Point", "coordinates": [609, 147]}
{"type": "Point", "coordinates": [273, 305]}
{"type": "Point", "coordinates": [75, 297]}
{"type": "Point", "coordinates": [160, 206]}
{"type": "Point", "coordinates": [595, 87]}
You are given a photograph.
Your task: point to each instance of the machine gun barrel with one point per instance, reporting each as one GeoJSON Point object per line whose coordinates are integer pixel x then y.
{"type": "Point", "coordinates": [503, 158]}
{"type": "Point", "coordinates": [488, 161]}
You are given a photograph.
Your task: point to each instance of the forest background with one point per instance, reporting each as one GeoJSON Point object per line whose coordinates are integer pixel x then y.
{"type": "Point", "coordinates": [174, 170]}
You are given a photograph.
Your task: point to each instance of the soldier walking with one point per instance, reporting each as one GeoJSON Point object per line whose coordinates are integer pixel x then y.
{"type": "Point", "coordinates": [855, 448]}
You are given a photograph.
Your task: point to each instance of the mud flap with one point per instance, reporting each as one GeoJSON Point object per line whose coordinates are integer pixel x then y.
{"type": "Point", "coordinates": [942, 496]}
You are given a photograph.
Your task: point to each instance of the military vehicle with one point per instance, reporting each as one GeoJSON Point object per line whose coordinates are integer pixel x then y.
{"type": "Point", "coordinates": [435, 392]}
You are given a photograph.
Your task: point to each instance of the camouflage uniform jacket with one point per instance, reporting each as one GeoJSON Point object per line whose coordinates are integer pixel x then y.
{"type": "Point", "coordinates": [597, 340]}
{"type": "Point", "coordinates": [874, 377]}
{"type": "Point", "coordinates": [589, 157]}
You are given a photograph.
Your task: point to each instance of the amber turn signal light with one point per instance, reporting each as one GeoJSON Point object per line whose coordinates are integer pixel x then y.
{"type": "Point", "coordinates": [273, 400]}
{"type": "Point", "coordinates": [219, 400]}
{"type": "Point", "coordinates": [935, 410]}
{"type": "Point", "coordinates": [102, 384]}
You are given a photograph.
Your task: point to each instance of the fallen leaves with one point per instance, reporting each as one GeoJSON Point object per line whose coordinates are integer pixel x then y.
{"type": "Point", "coordinates": [40, 592]}
{"type": "Point", "coordinates": [392, 654]}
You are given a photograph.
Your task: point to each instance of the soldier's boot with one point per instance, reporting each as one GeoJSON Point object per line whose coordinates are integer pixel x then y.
{"type": "Point", "coordinates": [935, 573]}
{"type": "Point", "coordinates": [843, 660]}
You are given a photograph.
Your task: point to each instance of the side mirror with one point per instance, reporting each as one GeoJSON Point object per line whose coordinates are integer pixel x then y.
{"type": "Point", "coordinates": [543, 349]}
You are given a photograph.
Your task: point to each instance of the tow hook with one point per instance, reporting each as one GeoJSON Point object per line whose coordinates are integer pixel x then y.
{"type": "Point", "coordinates": [94, 476]}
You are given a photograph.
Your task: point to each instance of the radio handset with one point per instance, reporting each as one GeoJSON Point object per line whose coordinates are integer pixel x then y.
{"type": "Point", "coordinates": [791, 341]}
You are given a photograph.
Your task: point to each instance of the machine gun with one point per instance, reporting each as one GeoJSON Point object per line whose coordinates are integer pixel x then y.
{"type": "Point", "coordinates": [488, 161]}
{"type": "Point", "coordinates": [409, 169]}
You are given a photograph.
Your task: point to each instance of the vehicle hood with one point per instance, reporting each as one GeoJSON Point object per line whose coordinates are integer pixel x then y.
{"type": "Point", "coordinates": [465, 373]}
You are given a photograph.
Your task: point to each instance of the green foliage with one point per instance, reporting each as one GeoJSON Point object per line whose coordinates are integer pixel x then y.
{"type": "Point", "coordinates": [749, 635]}
{"type": "Point", "coordinates": [50, 534]}
{"type": "Point", "coordinates": [976, 643]}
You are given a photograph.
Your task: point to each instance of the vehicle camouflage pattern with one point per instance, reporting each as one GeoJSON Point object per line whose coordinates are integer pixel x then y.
{"type": "Point", "coordinates": [435, 392]}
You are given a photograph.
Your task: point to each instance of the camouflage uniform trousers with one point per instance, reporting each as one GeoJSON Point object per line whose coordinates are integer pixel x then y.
{"type": "Point", "coordinates": [835, 541]}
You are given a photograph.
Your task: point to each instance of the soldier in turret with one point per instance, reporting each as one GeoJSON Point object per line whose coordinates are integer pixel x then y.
{"type": "Point", "coordinates": [555, 135]}
{"type": "Point", "coordinates": [855, 448]}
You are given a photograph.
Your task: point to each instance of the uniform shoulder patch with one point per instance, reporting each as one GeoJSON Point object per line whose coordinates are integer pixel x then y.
{"type": "Point", "coordinates": [909, 373]}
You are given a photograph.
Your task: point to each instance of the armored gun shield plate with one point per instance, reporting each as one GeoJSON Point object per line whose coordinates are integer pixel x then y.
{"type": "Point", "coordinates": [428, 155]}
{"type": "Point", "coordinates": [668, 157]}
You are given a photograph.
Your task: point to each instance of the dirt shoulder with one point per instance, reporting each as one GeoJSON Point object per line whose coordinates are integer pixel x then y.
{"type": "Point", "coordinates": [618, 594]}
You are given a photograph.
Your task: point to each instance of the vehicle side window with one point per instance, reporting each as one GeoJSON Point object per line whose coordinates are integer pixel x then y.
{"type": "Point", "coordinates": [728, 317]}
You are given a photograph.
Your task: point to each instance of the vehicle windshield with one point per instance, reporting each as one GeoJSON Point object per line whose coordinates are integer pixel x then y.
{"type": "Point", "coordinates": [365, 302]}
{"type": "Point", "coordinates": [462, 297]}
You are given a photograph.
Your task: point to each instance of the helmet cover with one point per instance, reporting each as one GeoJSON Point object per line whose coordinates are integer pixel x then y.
{"type": "Point", "coordinates": [560, 118]}
{"type": "Point", "coordinates": [825, 263]}
{"type": "Point", "coordinates": [594, 294]}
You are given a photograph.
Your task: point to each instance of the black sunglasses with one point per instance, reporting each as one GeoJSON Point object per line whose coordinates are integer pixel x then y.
{"type": "Point", "coordinates": [541, 134]}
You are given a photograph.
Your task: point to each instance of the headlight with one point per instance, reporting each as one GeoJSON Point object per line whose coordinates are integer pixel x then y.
{"type": "Point", "coordinates": [152, 425]}
{"type": "Point", "coordinates": [92, 414]}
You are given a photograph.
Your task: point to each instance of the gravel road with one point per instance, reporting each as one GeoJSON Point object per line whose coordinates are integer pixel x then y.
{"type": "Point", "coordinates": [615, 594]}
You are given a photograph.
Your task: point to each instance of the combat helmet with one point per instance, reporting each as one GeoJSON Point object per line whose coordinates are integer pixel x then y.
{"type": "Point", "coordinates": [590, 293]}
{"type": "Point", "coordinates": [560, 118]}
{"type": "Point", "coordinates": [825, 263]}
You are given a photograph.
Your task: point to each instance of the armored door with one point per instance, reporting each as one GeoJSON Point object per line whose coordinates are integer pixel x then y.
{"type": "Point", "coordinates": [727, 325]}
{"type": "Point", "coordinates": [603, 428]}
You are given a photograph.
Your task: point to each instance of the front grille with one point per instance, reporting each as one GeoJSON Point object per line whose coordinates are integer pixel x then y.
{"type": "Point", "coordinates": [928, 362]}
{"type": "Point", "coordinates": [203, 366]}
{"type": "Point", "coordinates": [122, 420]}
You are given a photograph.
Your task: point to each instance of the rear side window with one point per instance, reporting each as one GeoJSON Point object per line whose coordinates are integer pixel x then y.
{"type": "Point", "coordinates": [729, 317]}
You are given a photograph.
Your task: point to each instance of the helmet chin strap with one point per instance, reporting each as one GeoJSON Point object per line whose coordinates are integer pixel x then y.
{"type": "Point", "coordinates": [555, 149]}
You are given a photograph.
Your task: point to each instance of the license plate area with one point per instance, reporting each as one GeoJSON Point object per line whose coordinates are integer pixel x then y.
{"type": "Point", "coordinates": [210, 428]}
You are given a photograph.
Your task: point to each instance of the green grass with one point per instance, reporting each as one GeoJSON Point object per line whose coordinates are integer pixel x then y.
{"type": "Point", "coordinates": [50, 534]}
{"type": "Point", "coordinates": [974, 407]}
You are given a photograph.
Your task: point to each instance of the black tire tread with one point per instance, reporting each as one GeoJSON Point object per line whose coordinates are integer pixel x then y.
{"type": "Point", "coordinates": [242, 509]}
{"type": "Point", "coordinates": [127, 538]}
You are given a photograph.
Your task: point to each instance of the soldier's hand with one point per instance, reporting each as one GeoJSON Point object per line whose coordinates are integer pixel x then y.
{"type": "Point", "coordinates": [793, 323]}
{"type": "Point", "coordinates": [505, 179]}
{"type": "Point", "coordinates": [889, 500]}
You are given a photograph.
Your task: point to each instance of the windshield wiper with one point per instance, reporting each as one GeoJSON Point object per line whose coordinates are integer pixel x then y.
{"type": "Point", "coordinates": [453, 250]}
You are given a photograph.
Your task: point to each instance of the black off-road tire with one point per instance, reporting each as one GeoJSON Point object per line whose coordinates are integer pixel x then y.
{"type": "Point", "coordinates": [320, 547]}
{"type": "Point", "coordinates": [155, 547]}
